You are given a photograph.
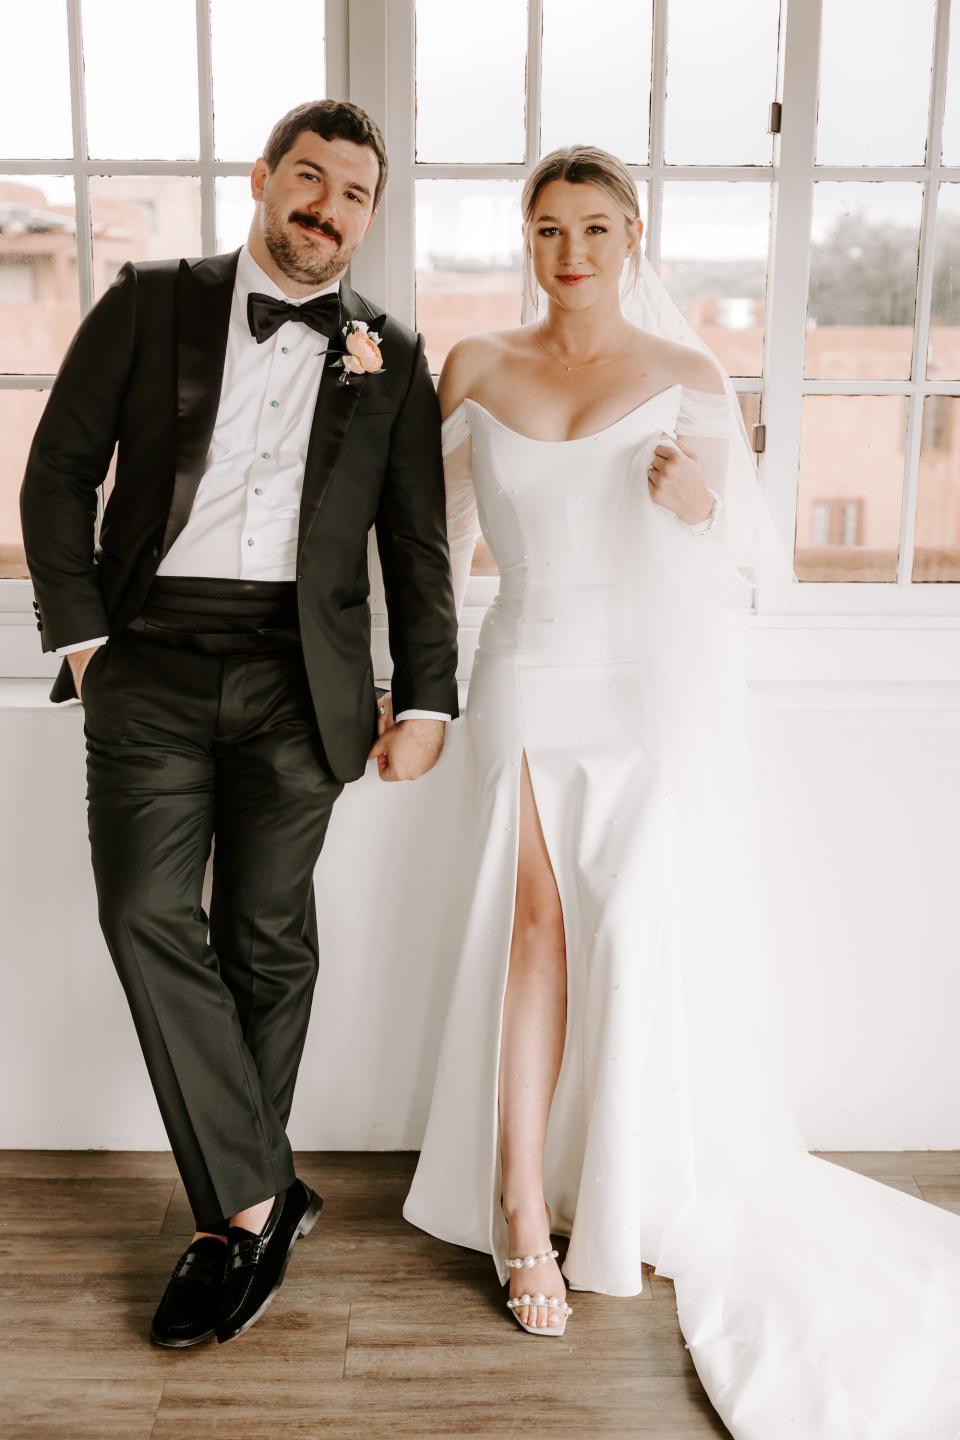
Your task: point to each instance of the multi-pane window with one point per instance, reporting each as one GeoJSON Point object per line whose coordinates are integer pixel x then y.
{"type": "Point", "coordinates": [120, 142]}
{"type": "Point", "coordinates": [683, 92]}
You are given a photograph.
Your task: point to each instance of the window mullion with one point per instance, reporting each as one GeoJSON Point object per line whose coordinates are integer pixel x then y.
{"type": "Point", "coordinates": [653, 234]}
{"type": "Point", "coordinates": [921, 328]}
{"type": "Point", "coordinates": [208, 183]}
{"type": "Point", "coordinates": [336, 49]}
{"type": "Point", "coordinates": [788, 278]}
{"type": "Point", "coordinates": [81, 178]}
{"type": "Point", "coordinates": [534, 91]}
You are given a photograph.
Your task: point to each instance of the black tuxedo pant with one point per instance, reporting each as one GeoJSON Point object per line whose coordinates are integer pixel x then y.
{"type": "Point", "coordinates": [201, 732]}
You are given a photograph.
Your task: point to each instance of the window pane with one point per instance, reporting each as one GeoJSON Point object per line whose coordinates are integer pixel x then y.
{"type": "Point", "coordinates": [943, 348]}
{"type": "Point", "coordinates": [721, 77]}
{"type": "Point", "coordinates": [39, 295]}
{"type": "Point", "coordinates": [142, 217]}
{"type": "Point", "coordinates": [875, 67]}
{"type": "Point", "coordinates": [20, 412]}
{"type": "Point", "coordinates": [714, 264]}
{"type": "Point", "coordinates": [469, 250]}
{"type": "Point", "coordinates": [35, 94]}
{"type": "Point", "coordinates": [234, 211]}
{"type": "Point", "coordinates": [596, 77]}
{"type": "Point", "coordinates": [245, 113]}
{"type": "Point", "coordinates": [470, 81]}
{"type": "Point", "coordinates": [851, 487]}
{"type": "Point", "coordinates": [936, 554]}
{"type": "Point", "coordinates": [863, 280]}
{"type": "Point", "coordinates": [141, 84]}
{"type": "Point", "coordinates": [950, 147]}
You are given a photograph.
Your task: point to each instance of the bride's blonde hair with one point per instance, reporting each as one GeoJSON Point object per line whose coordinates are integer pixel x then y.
{"type": "Point", "coordinates": [581, 165]}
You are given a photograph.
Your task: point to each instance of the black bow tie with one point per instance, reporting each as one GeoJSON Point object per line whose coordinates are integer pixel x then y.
{"type": "Point", "coordinates": [265, 314]}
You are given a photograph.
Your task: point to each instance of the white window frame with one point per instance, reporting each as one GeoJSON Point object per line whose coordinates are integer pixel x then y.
{"type": "Point", "coordinates": [20, 653]}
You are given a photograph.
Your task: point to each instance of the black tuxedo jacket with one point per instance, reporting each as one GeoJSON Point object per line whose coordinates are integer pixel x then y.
{"type": "Point", "coordinates": [143, 373]}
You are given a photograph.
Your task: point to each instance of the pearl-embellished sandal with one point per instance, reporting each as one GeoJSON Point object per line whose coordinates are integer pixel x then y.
{"type": "Point", "coordinates": [521, 1262]}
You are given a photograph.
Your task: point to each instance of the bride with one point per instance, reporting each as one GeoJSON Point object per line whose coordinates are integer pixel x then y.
{"type": "Point", "coordinates": [609, 1070]}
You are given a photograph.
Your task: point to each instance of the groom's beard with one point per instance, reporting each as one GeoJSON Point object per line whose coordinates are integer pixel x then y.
{"type": "Point", "coordinates": [298, 259]}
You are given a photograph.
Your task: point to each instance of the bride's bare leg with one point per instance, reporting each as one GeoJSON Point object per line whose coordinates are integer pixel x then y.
{"type": "Point", "coordinates": [534, 1016]}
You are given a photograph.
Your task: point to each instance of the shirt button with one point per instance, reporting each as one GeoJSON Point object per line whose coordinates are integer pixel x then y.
{"type": "Point", "coordinates": [285, 349]}
{"type": "Point", "coordinates": [258, 490]}
{"type": "Point", "coordinates": [274, 403]}
{"type": "Point", "coordinates": [251, 541]}
{"type": "Point", "coordinates": [264, 454]}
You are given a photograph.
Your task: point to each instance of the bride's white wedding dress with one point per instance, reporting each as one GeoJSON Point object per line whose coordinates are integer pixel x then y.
{"type": "Point", "coordinates": [815, 1303]}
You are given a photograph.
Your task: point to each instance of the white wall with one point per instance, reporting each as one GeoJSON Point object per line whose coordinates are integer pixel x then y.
{"type": "Point", "coordinates": [858, 748]}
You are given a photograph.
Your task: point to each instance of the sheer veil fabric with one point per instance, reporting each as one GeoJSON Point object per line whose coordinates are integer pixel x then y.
{"type": "Point", "coordinates": [814, 1303]}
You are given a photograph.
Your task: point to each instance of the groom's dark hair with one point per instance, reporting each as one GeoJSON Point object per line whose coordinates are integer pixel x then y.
{"type": "Point", "coordinates": [331, 120]}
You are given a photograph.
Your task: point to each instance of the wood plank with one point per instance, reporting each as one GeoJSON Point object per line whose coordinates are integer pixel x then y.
{"type": "Point", "coordinates": [93, 1410]}
{"type": "Point", "coordinates": [516, 1406]}
{"type": "Point", "coordinates": [97, 1330]}
{"type": "Point", "coordinates": [68, 1206]}
{"type": "Point", "coordinates": [452, 1331]}
{"type": "Point", "coordinates": [943, 1191]}
{"type": "Point", "coordinates": [88, 1164]}
{"type": "Point", "coordinates": [916, 1164]}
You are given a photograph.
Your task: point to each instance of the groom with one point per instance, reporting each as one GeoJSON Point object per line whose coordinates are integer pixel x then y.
{"type": "Point", "coordinates": [219, 638]}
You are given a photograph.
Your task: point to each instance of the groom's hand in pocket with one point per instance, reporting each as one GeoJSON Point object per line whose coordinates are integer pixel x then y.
{"type": "Point", "coordinates": [79, 660]}
{"type": "Point", "coordinates": [408, 749]}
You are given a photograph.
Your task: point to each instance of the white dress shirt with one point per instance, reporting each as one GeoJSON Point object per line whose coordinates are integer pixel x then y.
{"type": "Point", "coordinates": [245, 517]}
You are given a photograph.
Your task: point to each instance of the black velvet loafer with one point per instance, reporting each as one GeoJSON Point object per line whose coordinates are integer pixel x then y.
{"type": "Point", "coordinates": [188, 1310]}
{"type": "Point", "coordinates": [256, 1263]}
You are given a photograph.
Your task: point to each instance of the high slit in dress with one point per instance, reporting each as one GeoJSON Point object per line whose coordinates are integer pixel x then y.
{"type": "Point", "coordinates": [815, 1303]}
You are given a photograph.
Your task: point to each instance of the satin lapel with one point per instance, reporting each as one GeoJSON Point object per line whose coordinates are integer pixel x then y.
{"type": "Point", "coordinates": [204, 295]}
{"type": "Point", "coordinates": [336, 403]}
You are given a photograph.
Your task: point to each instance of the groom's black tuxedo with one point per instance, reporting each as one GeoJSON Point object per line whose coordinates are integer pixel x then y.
{"type": "Point", "coordinates": [227, 710]}
{"type": "Point", "coordinates": [144, 372]}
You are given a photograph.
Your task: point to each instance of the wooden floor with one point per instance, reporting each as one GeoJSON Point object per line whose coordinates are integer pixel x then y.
{"type": "Point", "coordinates": [379, 1330]}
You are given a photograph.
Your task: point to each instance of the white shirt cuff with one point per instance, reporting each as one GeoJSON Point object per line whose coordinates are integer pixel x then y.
{"type": "Point", "coordinates": [81, 645]}
{"type": "Point", "coordinates": [421, 715]}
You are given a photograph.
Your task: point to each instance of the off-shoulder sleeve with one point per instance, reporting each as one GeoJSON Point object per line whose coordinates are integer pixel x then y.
{"type": "Point", "coordinates": [462, 520]}
{"type": "Point", "coordinates": [703, 413]}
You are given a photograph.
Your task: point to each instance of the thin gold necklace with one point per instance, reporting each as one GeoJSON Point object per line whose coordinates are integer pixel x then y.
{"type": "Point", "coordinates": [590, 363]}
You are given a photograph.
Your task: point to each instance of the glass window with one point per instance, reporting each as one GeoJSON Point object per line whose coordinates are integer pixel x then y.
{"type": "Point", "coordinates": [469, 253]}
{"type": "Point", "coordinates": [876, 59]}
{"type": "Point", "coordinates": [141, 86]}
{"type": "Point", "coordinates": [35, 94]}
{"type": "Point", "coordinates": [142, 217]}
{"type": "Point", "coordinates": [863, 280]}
{"type": "Point", "coordinates": [470, 81]}
{"type": "Point", "coordinates": [39, 293]}
{"type": "Point", "coordinates": [936, 552]}
{"type": "Point", "coordinates": [721, 78]}
{"type": "Point", "coordinates": [714, 264]}
{"type": "Point", "coordinates": [943, 349]}
{"type": "Point", "coordinates": [20, 412]}
{"type": "Point", "coordinates": [851, 487]}
{"type": "Point", "coordinates": [596, 77]}
{"type": "Point", "coordinates": [244, 113]}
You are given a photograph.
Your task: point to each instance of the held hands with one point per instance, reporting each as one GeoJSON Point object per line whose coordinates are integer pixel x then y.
{"type": "Point", "coordinates": [405, 749]}
{"type": "Point", "coordinates": [79, 660]}
{"type": "Point", "coordinates": [676, 483]}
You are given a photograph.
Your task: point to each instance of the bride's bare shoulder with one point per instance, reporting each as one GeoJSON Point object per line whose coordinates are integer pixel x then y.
{"type": "Point", "coordinates": [687, 366]}
{"type": "Point", "coordinates": [473, 357]}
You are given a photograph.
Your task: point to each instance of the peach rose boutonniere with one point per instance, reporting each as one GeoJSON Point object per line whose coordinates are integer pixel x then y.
{"type": "Point", "coordinates": [361, 355]}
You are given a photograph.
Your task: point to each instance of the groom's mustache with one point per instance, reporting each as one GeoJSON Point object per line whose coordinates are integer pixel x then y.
{"type": "Point", "coordinates": [314, 224]}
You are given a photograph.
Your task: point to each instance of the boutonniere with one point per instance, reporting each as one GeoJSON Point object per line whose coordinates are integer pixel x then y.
{"type": "Point", "coordinates": [361, 353]}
